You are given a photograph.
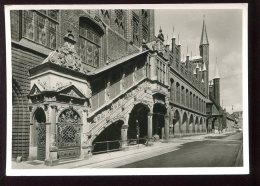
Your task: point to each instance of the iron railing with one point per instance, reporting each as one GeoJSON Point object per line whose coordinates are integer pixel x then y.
{"type": "Point", "coordinates": [116, 145]}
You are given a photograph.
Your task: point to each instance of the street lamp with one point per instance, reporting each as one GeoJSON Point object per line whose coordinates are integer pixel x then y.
{"type": "Point", "coordinates": [137, 131]}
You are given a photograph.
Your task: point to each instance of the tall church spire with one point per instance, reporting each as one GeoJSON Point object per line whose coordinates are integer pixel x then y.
{"type": "Point", "coordinates": [204, 36]}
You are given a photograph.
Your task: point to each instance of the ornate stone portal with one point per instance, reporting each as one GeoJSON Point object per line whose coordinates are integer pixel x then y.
{"type": "Point", "coordinates": [59, 102]}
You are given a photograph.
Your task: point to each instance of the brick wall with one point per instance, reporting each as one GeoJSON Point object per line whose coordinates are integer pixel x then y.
{"type": "Point", "coordinates": [22, 61]}
{"type": "Point", "coordinates": [120, 46]}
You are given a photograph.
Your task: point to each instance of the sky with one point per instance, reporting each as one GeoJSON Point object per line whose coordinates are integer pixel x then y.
{"type": "Point", "coordinates": [224, 30]}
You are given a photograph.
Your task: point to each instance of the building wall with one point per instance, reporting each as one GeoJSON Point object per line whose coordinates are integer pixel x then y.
{"type": "Point", "coordinates": [28, 53]}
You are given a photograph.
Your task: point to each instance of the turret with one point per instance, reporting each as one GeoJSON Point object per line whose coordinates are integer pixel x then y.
{"type": "Point", "coordinates": [216, 82]}
{"type": "Point", "coordinates": [204, 53]}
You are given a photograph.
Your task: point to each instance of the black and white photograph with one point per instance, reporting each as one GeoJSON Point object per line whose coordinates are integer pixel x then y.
{"type": "Point", "coordinates": [127, 89]}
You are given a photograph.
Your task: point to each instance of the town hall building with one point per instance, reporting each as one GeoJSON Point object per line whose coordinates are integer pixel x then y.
{"type": "Point", "coordinates": [91, 81]}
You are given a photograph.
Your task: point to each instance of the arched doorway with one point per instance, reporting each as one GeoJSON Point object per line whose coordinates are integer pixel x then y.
{"type": "Point", "coordinates": [176, 122]}
{"type": "Point", "coordinates": [185, 126]}
{"type": "Point", "coordinates": [159, 112]}
{"type": "Point", "coordinates": [197, 125]}
{"type": "Point", "coordinates": [138, 123]}
{"type": "Point", "coordinates": [39, 128]}
{"type": "Point", "coordinates": [68, 134]}
{"type": "Point", "coordinates": [191, 124]}
{"type": "Point", "coordinates": [108, 139]}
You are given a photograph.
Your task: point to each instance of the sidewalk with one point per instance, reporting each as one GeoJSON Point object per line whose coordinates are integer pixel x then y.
{"type": "Point", "coordinates": [119, 158]}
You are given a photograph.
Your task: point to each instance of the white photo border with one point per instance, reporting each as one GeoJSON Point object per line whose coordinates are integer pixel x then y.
{"type": "Point", "coordinates": [131, 171]}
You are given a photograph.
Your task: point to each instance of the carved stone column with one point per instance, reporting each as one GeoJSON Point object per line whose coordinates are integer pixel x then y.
{"type": "Point", "coordinates": [47, 151]}
{"type": "Point", "coordinates": [51, 148]}
{"type": "Point", "coordinates": [150, 125]}
{"type": "Point", "coordinates": [153, 67]}
{"type": "Point", "coordinates": [33, 143]}
{"type": "Point", "coordinates": [85, 147]}
{"type": "Point", "coordinates": [107, 93]}
{"type": "Point", "coordinates": [124, 135]}
{"type": "Point", "coordinates": [134, 76]}
{"type": "Point", "coordinates": [166, 120]}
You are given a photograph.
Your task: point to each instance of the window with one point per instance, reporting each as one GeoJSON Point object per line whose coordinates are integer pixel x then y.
{"type": "Point", "coordinates": [194, 102]}
{"type": "Point", "coordinates": [187, 98]}
{"type": "Point", "coordinates": [119, 20]}
{"type": "Point", "coordinates": [172, 90]}
{"type": "Point", "coordinates": [145, 17]}
{"type": "Point", "coordinates": [182, 95]}
{"type": "Point", "coordinates": [190, 99]}
{"type": "Point", "coordinates": [178, 92]}
{"type": "Point", "coordinates": [135, 31]}
{"type": "Point", "coordinates": [145, 33]}
{"type": "Point", "coordinates": [41, 27]}
{"type": "Point", "coordinates": [106, 16]}
{"type": "Point", "coordinates": [89, 45]}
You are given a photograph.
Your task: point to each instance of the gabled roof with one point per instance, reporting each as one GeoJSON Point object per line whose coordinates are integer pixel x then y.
{"type": "Point", "coordinates": [35, 90]}
{"type": "Point", "coordinates": [71, 91]}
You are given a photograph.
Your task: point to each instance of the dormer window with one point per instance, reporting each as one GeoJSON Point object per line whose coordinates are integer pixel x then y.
{"type": "Point", "coordinates": [41, 27]}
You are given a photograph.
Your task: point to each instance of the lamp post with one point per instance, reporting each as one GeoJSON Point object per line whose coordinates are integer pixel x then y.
{"type": "Point", "coordinates": [137, 131]}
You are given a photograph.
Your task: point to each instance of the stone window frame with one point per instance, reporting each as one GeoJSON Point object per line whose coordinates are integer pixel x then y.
{"type": "Point", "coordinates": [49, 31]}
{"type": "Point", "coordinates": [178, 94]}
{"type": "Point", "coordinates": [85, 40]}
{"type": "Point", "coordinates": [136, 38]}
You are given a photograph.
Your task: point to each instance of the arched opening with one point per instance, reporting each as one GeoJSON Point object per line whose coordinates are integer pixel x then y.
{"type": "Point", "coordinates": [201, 128]}
{"type": "Point", "coordinates": [39, 130]}
{"type": "Point", "coordinates": [178, 92]}
{"type": "Point", "coordinates": [159, 112]}
{"type": "Point", "coordinates": [138, 123]}
{"type": "Point", "coordinates": [197, 125]}
{"type": "Point", "coordinates": [184, 127]}
{"type": "Point", "coordinates": [108, 139]}
{"type": "Point", "coordinates": [176, 122]}
{"type": "Point", "coordinates": [68, 134]}
{"type": "Point", "coordinates": [215, 124]}
{"type": "Point", "coordinates": [191, 124]}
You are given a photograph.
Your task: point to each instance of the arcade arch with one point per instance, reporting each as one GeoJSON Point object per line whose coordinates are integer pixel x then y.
{"type": "Point", "coordinates": [159, 112]}
{"type": "Point", "coordinates": [109, 138]}
{"type": "Point", "coordinates": [185, 125]}
{"type": "Point", "coordinates": [196, 124]}
{"type": "Point", "coordinates": [138, 122]}
{"type": "Point", "coordinates": [191, 124]}
{"type": "Point", "coordinates": [176, 122]}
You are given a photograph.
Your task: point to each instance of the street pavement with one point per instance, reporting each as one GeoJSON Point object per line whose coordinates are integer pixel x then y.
{"type": "Point", "coordinates": [189, 151]}
{"type": "Point", "coordinates": [217, 151]}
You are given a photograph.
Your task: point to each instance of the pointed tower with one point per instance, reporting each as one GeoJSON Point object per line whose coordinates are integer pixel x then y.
{"type": "Point", "coordinates": [216, 84]}
{"type": "Point", "coordinates": [204, 53]}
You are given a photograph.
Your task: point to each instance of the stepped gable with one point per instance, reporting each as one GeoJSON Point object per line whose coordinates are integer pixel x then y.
{"type": "Point", "coordinates": [66, 56]}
